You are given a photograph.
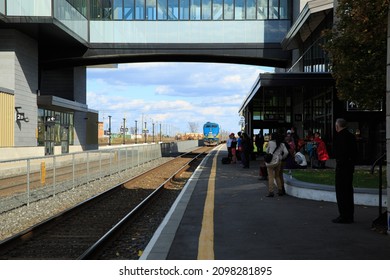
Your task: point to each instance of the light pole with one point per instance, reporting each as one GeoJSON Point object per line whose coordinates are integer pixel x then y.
{"type": "Point", "coordinates": [124, 131]}
{"type": "Point", "coordinates": [160, 132]}
{"type": "Point", "coordinates": [153, 131]}
{"type": "Point", "coordinates": [135, 132]}
{"type": "Point", "coordinates": [109, 130]}
{"type": "Point", "coordinates": [145, 132]}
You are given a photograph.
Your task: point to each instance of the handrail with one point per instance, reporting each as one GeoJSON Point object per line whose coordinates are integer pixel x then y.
{"type": "Point", "coordinates": [379, 161]}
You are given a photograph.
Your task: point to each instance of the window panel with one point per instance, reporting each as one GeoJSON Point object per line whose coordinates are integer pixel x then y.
{"type": "Point", "coordinates": [139, 9]}
{"type": "Point", "coordinates": [206, 9]}
{"type": "Point", "coordinates": [239, 10]}
{"type": "Point", "coordinates": [217, 10]}
{"type": "Point", "coordinates": [195, 10]}
{"type": "Point", "coordinates": [262, 9]}
{"type": "Point", "coordinates": [228, 9]}
{"type": "Point", "coordinates": [162, 9]}
{"type": "Point", "coordinates": [128, 9]}
{"type": "Point", "coordinates": [173, 9]}
{"type": "Point", "coordinates": [284, 9]}
{"type": "Point", "coordinates": [184, 10]}
{"type": "Point", "coordinates": [273, 9]}
{"type": "Point", "coordinates": [118, 9]}
{"type": "Point", "coordinates": [251, 9]}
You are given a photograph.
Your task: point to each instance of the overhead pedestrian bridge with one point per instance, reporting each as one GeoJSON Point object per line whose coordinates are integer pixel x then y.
{"type": "Point", "coordinates": [81, 32]}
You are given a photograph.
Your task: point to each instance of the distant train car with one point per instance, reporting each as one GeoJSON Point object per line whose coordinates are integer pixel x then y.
{"type": "Point", "coordinates": [211, 133]}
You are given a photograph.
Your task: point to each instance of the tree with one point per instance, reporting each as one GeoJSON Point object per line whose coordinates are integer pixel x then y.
{"type": "Point", "coordinates": [357, 46]}
{"type": "Point", "coordinates": [194, 127]}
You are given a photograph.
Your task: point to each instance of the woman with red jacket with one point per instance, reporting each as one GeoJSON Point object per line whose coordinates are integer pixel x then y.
{"type": "Point", "coordinates": [322, 154]}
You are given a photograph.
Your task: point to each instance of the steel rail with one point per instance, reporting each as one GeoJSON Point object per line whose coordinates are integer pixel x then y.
{"type": "Point", "coordinates": [27, 233]}
{"type": "Point", "coordinates": [92, 251]}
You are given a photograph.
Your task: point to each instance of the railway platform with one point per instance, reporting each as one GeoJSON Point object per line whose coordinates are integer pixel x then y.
{"type": "Point", "coordinates": [223, 214]}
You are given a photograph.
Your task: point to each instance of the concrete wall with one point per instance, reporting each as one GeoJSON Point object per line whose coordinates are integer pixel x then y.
{"type": "Point", "coordinates": [168, 149]}
{"type": "Point", "coordinates": [67, 83]}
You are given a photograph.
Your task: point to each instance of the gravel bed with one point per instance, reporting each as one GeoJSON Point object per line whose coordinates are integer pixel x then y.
{"type": "Point", "coordinates": [22, 218]}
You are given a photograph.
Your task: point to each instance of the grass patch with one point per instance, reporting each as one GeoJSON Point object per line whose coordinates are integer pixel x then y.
{"type": "Point", "coordinates": [362, 177]}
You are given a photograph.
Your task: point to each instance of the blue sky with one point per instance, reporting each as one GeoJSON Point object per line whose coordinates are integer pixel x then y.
{"type": "Point", "coordinates": [171, 94]}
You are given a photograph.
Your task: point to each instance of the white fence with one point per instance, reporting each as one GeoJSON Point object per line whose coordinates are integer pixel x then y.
{"type": "Point", "coordinates": [26, 180]}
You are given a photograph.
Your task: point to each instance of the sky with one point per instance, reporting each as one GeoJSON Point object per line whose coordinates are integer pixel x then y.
{"type": "Point", "coordinates": [171, 95]}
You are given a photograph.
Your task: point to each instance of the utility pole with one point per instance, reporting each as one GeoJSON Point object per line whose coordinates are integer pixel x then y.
{"type": "Point", "coordinates": [124, 131]}
{"type": "Point", "coordinates": [109, 130]}
{"type": "Point", "coordinates": [136, 132]}
{"type": "Point", "coordinates": [153, 131]}
{"type": "Point", "coordinates": [160, 131]}
{"type": "Point", "coordinates": [145, 132]}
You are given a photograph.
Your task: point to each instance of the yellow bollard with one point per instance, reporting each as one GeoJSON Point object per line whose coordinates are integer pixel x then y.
{"type": "Point", "coordinates": [43, 173]}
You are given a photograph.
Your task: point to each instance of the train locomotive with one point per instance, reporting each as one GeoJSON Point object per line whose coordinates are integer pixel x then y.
{"type": "Point", "coordinates": [211, 132]}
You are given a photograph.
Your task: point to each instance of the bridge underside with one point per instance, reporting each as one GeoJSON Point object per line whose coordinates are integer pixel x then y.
{"type": "Point", "coordinates": [59, 48]}
{"type": "Point", "coordinates": [254, 54]}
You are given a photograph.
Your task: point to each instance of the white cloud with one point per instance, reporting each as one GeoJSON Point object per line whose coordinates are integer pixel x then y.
{"type": "Point", "coordinates": [172, 93]}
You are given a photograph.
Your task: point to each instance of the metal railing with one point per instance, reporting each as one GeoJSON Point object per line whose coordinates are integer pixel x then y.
{"type": "Point", "coordinates": [26, 180]}
{"type": "Point", "coordinates": [379, 161]}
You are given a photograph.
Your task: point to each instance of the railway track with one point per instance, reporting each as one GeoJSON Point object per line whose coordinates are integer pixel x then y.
{"type": "Point", "coordinates": [114, 225]}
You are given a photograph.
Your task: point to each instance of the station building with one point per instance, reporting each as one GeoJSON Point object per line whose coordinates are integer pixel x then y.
{"type": "Point", "coordinates": [304, 94]}
{"type": "Point", "coordinates": [47, 45]}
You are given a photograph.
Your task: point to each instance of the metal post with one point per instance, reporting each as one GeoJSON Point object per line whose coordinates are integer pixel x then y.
{"type": "Point", "coordinates": [73, 169]}
{"type": "Point", "coordinates": [124, 131]}
{"type": "Point", "coordinates": [54, 175]}
{"type": "Point", "coordinates": [160, 132]}
{"type": "Point", "coordinates": [145, 132]}
{"type": "Point", "coordinates": [136, 128]}
{"type": "Point", "coordinates": [380, 188]}
{"type": "Point", "coordinates": [109, 130]}
{"type": "Point", "coordinates": [28, 182]}
{"type": "Point", "coordinates": [153, 131]}
{"type": "Point", "coordinates": [87, 168]}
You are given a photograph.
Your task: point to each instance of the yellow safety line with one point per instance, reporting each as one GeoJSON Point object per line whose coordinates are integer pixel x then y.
{"type": "Point", "coordinates": [206, 236]}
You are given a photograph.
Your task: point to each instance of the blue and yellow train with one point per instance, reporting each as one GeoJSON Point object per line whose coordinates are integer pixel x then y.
{"type": "Point", "coordinates": [211, 132]}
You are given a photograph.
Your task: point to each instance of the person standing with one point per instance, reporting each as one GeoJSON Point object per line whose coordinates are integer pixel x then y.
{"type": "Point", "coordinates": [279, 151]}
{"type": "Point", "coordinates": [322, 153]}
{"type": "Point", "coordinates": [345, 153]}
{"type": "Point", "coordinates": [229, 142]}
{"type": "Point", "coordinates": [259, 142]}
{"type": "Point", "coordinates": [247, 149]}
{"type": "Point", "coordinates": [239, 146]}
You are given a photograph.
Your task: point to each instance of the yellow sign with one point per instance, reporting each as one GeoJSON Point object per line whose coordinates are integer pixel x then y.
{"type": "Point", "coordinates": [43, 173]}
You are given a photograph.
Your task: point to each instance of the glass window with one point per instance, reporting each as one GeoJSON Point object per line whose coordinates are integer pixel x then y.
{"type": "Point", "coordinates": [239, 10]}
{"type": "Point", "coordinates": [195, 9]}
{"type": "Point", "coordinates": [162, 11]}
{"type": "Point", "coordinates": [151, 10]}
{"type": "Point", "coordinates": [273, 9]}
{"type": "Point", "coordinates": [128, 9]}
{"type": "Point", "coordinates": [206, 9]}
{"type": "Point", "coordinates": [284, 9]}
{"type": "Point", "coordinates": [80, 5]}
{"type": "Point", "coordinates": [217, 9]}
{"type": "Point", "coordinates": [173, 9]}
{"type": "Point", "coordinates": [228, 9]}
{"type": "Point", "coordinates": [118, 9]}
{"type": "Point", "coordinates": [256, 116]}
{"type": "Point", "coordinates": [262, 9]}
{"type": "Point", "coordinates": [184, 10]}
{"type": "Point", "coordinates": [251, 9]}
{"type": "Point", "coordinates": [140, 9]}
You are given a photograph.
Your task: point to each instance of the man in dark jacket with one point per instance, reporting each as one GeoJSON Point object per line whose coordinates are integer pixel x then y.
{"type": "Point", "coordinates": [345, 153]}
